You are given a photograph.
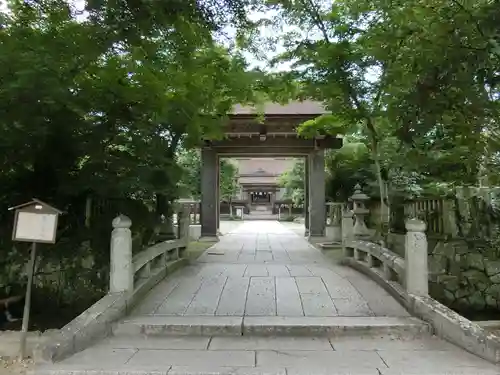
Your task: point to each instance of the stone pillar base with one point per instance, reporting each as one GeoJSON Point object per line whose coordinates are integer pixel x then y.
{"type": "Point", "coordinates": [209, 239]}
{"type": "Point", "coordinates": [334, 233]}
{"type": "Point", "coordinates": [318, 239]}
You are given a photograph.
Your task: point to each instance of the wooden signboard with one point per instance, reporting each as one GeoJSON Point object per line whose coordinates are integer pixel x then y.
{"type": "Point", "coordinates": [34, 222]}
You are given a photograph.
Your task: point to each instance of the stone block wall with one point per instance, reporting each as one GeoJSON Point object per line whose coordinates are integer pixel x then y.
{"type": "Point", "coordinates": [464, 275]}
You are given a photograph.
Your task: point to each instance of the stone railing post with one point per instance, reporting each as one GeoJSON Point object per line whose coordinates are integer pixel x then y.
{"type": "Point", "coordinates": [416, 273]}
{"type": "Point", "coordinates": [449, 218]}
{"type": "Point", "coordinates": [334, 222]}
{"type": "Point", "coordinates": [183, 225]}
{"type": "Point", "coordinates": [347, 225]}
{"type": "Point", "coordinates": [329, 213]}
{"type": "Point", "coordinates": [183, 222]}
{"type": "Point", "coordinates": [337, 222]}
{"type": "Point", "coordinates": [121, 275]}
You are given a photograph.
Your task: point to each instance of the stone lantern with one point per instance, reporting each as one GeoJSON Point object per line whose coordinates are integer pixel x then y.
{"type": "Point", "coordinates": [360, 212]}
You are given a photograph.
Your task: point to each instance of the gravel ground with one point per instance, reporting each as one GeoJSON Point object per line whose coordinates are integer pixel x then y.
{"type": "Point", "coordinates": [15, 367]}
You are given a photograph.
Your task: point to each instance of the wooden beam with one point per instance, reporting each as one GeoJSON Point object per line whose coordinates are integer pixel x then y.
{"type": "Point", "coordinates": [277, 142]}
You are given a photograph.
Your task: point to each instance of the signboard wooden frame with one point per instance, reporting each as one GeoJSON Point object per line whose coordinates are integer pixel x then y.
{"type": "Point", "coordinates": [40, 214]}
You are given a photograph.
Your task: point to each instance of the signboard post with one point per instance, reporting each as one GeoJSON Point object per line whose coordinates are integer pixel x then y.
{"type": "Point", "coordinates": [34, 222]}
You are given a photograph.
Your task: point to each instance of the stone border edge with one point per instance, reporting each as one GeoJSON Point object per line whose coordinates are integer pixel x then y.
{"type": "Point", "coordinates": [97, 321]}
{"type": "Point", "coordinates": [445, 322]}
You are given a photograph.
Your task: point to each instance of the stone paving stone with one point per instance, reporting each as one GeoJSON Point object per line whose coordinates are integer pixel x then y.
{"type": "Point", "coordinates": [210, 370]}
{"type": "Point", "coordinates": [155, 297]}
{"type": "Point", "coordinates": [102, 369]}
{"type": "Point", "coordinates": [281, 256]}
{"type": "Point", "coordinates": [94, 355]}
{"type": "Point", "coordinates": [270, 343]}
{"type": "Point", "coordinates": [256, 270]}
{"type": "Point", "coordinates": [319, 304]}
{"type": "Point", "coordinates": [233, 298]}
{"type": "Point", "coordinates": [391, 343]}
{"type": "Point", "coordinates": [439, 371]}
{"type": "Point", "coordinates": [145, 342]}
{"type": "Point", "coordinates": [296, 270]}
{"type": "Point", "coordinates": [261, 299]}
{"type": "Point", "coordinates": [324, 271]}
{"type": "Point", "coordinates": [341, 288]}
{"type": "Point", "coordinates": [249, 244]}
{"type": "Point", "coordinates": [206, 300]}
{"type": "Point", "coordinates": [263, 247]}
{"type": "Point", "coordinates": [263, 256]}
{"type": "Point", "coordinates": [234, 270]}
{"type": "Point", "coordinates": [320, 359]}
{"type": "Point", "coordinates": [352, 307]}
{"type": "Point", "coordinates": [331, 370]}
{"type": "Point", "coordinates": [178, 301]}
{"type": "Point", "coordinates": [380, 302]}
{"type": "Point", "coordinates": [288, 300]}
{"type": "Point", "coordinates": [212, 270]}
{"type": "Point", "coordinates": [228, 358]}
{"type": "Point", "coordinates": [245, 257]}
{"type": "Point", "coordinates": [277, 270]}
{"type": "Point", "coordinates": [275, 245]}
{"type": "Point", "coordinates": [310, 285]}
{"type": "Point", "coordinates": [428, 361]}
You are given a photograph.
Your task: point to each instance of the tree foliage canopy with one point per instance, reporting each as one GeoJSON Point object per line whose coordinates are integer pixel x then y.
{"type": "Point", "coordinates": [190, 182]}
{"type": "Point", "coordinates": [93, 113]}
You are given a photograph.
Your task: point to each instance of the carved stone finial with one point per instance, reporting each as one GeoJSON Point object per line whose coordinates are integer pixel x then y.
{"type": "Point", "coordinates": [415, 225]}
{"type": "Point", "coordinates": [121, 221]}
{"type": "Point", "coordinates": [358, 194]}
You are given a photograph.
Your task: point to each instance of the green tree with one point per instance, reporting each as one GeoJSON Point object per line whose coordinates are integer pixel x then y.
{"type": "Point", "coordinates": [293, 181]}
{"type": "Point", "coordinates": [228, 180]}
{"type": "Point", "coordinates": [190, 182]}
{"type": "Point", "coordinates": [107, 114]}
{"type": "Point", "coordinates": [421, 73]}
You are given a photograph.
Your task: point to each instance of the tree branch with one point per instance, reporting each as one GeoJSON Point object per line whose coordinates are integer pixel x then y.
{"type": "Point", "coordinates": [478, 27]}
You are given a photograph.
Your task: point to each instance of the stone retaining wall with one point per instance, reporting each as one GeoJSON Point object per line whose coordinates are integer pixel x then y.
{"type": "Point", "coordinates": [463, 275]}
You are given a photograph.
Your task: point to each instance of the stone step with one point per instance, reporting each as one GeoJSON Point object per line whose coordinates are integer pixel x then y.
{"type": "Point", "coordinates": [270, 326]}
{"type": "Point", "coordinates": [244, 355]}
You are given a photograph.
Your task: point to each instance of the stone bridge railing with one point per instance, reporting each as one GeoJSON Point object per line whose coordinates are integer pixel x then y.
{"type": "Point", "coordinates": [129, 273]}
{"type": "Point", "coordinates": [408, 274]}
{"type": "Point", "coordinates": [406, 279]}
{"type": "Point", "coordinates": [131, 276]}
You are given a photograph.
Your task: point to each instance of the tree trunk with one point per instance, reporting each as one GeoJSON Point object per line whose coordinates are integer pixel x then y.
{"type": "Point", "coordinates": [384, 208]}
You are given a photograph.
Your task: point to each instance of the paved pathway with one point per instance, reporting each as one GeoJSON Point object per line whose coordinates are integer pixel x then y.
{"type": "Point", "coordinates": [263, 270]}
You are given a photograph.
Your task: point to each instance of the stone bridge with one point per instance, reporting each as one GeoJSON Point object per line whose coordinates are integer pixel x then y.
{"type": "Point", "coordinates": [263, 300]}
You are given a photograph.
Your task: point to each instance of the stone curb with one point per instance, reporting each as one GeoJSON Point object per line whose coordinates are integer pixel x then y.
{"type": "Point", "coordinates": [96, 322]}
{"type": "Point", "coordinates": [271, 326]}
{"type": "Point", "coordinates": [179, 325]}
{"type": "Point", "coordinates": [178, 370]}
{"type": "Point", "coordinates": [333, 326]}
{"type": "Point", "coordinates": [446, 323]}
{"type": "Point", "coordinates": [77, 371]}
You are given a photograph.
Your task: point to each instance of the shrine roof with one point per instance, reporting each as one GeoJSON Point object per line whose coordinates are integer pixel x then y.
{"type": "Point", "coordinates": [292, 108]}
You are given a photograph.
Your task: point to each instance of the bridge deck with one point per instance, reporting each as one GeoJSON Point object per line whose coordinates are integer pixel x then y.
{"type": "Point", "coordinates": [265, 270]}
